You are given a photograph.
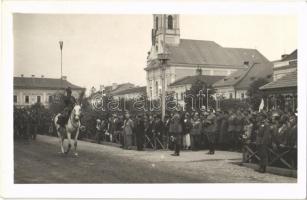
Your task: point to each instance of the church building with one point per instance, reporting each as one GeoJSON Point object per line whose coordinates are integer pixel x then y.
{"type": "Point", "coordinates": [187, 55]}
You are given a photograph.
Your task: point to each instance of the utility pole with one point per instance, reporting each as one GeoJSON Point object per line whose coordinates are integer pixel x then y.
{"type": "Point", "coordinates": [163, 62]}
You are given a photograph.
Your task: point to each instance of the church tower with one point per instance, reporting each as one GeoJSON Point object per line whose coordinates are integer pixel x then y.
{"type": "Point", "coordinates": [168, 23]}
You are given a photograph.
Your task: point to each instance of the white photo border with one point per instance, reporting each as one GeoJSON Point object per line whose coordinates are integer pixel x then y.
{"type": "Point", "coordinates": [234, 191]}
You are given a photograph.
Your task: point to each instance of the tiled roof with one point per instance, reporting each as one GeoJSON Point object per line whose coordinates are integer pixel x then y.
{"type": "Point", "coordinates": [291, 56]}
{"type": "Point", "coordinates": [121, 87]}
{"type": "Point", "coordinates": [200, 52]}
{"type": "Point", "coordinates": [209, 80]}
{"type": "Point", "coordinates": [42, 83]}
{"type": "Point", "coordinates": [131, 91]}
{"type": "Point", "coordinates": [242, 78]}
{"type": "Point", "coordinates": [289, 80]}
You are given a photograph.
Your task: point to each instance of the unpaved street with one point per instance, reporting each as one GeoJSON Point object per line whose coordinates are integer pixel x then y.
{"type": "Point", "coordinates": [39, 162]}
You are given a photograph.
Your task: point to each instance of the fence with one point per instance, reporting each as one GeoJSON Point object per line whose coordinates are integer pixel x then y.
{"type": "Point", "coordinates": [283, 157]}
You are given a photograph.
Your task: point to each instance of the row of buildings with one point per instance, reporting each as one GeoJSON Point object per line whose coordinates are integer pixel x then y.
{"type": "Point", "coordinates": [230, 71]}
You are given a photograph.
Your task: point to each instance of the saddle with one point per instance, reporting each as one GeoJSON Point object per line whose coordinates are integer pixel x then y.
{"type": "Point", "coordinates": [63, 118]}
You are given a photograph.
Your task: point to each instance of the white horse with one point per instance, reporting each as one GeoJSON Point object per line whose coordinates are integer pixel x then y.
{"type": "Point", "coordinates": [71, 128]}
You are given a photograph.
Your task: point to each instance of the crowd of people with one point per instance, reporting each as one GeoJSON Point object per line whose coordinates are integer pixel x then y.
{"type": "Point", "coordinates": [29, 121]}
{"type": "Point", "coordinates": [180, 130]}
{"type": "Point", "coordinates": [226, 130]}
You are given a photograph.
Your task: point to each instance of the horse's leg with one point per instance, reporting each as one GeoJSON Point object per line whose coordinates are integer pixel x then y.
{"type": "Point", "coordinates": [69, 142]}
{"type": "Point", "coordinates": [61, 139]}
{"type": "Point", "coordinates": [76, 142]}
{"type": "Point", "coordinates": [61, 143]}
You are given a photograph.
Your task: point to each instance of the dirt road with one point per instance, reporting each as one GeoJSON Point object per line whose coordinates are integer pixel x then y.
{"type": "Point", "coordinates": [40, 162]}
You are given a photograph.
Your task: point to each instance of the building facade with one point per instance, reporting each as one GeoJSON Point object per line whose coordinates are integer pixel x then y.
{"type": "Point", "coordinates": [284, 66]}
{"type": "Point", "coordinates": [31, 90]}
{"type": "Point", "coordinates": [181, 86]}
{"type": "Point", "coordinates": [186, 55]}
{"type": "Point", "coordinates": [236, 85]}
{"type": "Point", "coordinates": [281, 93]}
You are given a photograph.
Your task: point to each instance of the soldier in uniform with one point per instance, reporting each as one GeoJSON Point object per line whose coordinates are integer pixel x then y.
{"type": "Point", "coordinates": [139, 132]}
{"type": "Point", "coordinates": [176, 130]}
{"type": "Point", "coordinates": [211, 132]}
{"type": "Point", "coordinates": [263, 140]}
{"type": "Point", "coordinates": [69, 102]}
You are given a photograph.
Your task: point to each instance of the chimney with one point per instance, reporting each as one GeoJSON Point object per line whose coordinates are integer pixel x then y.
{"type": "Point", "coordinates": [33, 76]}
{"type": "Point", "coordinates": [42, 76]}
{"type": "Point", "coordinates": [64, 78]}
{"type": "Point", "coordinates": [21, 75]}
{"type": "Point", "coordinates": [114, 86]}
{"type": "Point", "coordinates": [284, 55]}
{"type": "Point", "coordinates": [246, 63]}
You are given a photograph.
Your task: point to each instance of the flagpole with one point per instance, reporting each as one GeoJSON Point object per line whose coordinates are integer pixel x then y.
{"type": "Point", "coordinates": [61, 48]}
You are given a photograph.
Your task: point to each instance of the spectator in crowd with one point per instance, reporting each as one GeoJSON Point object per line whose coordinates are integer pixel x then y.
{"type": "Point", "coordinates": [149, 122]}
{"type": "Point", "coordinates": [218, 121]}
{"type": "Point", "coordinates": [118, 124]}
{"type": "Point", "coordinates": [211, 131]}
{"type": "Point", "coordinates": [111, 127]}
{"type": "Point", "coordinates": [157, 131]}
{"type": "Point", "coordinates": [238, 133]}
{"type": "Point", "coordinates": [121, 130]}
{"type": "Point", "coordinates": [232, 120]}
{"type": "Point", "coordinates": [292, 141]}
{"type": "Point", "coordinates": [166, 135]}
{"type": "Point", "coordinates": [176, 131]}
{"type": "Point", "coordinates": [139, 132]}
{"type": "Point", "coordinates": [99, 131]}
{"type": "Point", "coordinates": [263, 140]}
{"type": "Point", "coordinates": [187, 126]}
{"type": "Point", "coordinates": [195, 132]}
{"type": "Point", "coordinates": [292, 136]}
{"type": "Point", "coordinates": [223, 134]}
{"type": "Point", "coordinates": [247, 130]}
{"type": "Point", "coordinates": [128, 131]}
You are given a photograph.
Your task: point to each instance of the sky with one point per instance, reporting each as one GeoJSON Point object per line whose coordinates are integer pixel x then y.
{"type": "Point", "coordinates": [105, 49]}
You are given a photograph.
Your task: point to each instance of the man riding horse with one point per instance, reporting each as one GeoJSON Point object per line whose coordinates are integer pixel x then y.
{"type": "Point", "coordinates": [69, 102]}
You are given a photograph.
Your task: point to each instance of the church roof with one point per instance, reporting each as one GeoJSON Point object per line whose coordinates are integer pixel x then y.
{"type": "Point", "coordinates": [202, 52]}
{"type": "Point", "coordinates": [43, 83]}
{"type": "Point", "coordinates": [191, 79]}
{"type": "Point", "coordinates": [289, 80]}
{"type": "Point", "coordinates": [241, 79]}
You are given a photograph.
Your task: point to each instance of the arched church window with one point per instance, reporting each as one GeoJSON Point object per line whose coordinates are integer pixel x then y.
{"type": "Point", "coordinates": [157, 23]}
{"type": "Point", "coordinates": [170, 22]}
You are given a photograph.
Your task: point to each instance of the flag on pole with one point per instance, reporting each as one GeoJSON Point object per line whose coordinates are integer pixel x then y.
{"type": "Point", "coordinates": [261, 106]}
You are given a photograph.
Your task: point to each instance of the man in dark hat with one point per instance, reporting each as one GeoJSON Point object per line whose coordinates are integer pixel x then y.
{"type": "Point", "coordinates": [69, 102]}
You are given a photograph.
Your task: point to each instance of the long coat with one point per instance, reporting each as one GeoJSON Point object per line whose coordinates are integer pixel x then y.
{"type": "Point", "coordinates": [196, 127]}
{"type": "Point", "coordinates": [263, 140]}
{"type": "Point", "coordinates": [127, 132]}
{"type": "Point", "coordinates": [128, 127]}
{"type": "Point", "coordinates": [175, 125]}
